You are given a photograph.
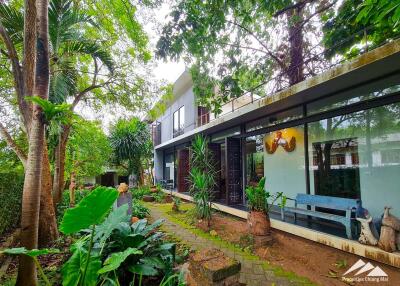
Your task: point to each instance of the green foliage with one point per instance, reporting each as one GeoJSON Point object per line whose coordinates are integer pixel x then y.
{"type": "Point", "coordinates": [65, 203]}
{"type": "Point", "coordinates": [30, 253]}
{"type": "Point", "coordinates": [131, 144]}
{"type": "Point", "coordinates": [112, 245]}
{"type": "Point", "coordinates": [88, 150]}
{"type": "Point", "coordinates": [8, 159]}
{"type": "Point", "coordinates": [159, 108]}
{"type": "Point", "coordinates": [139, 210]}
{"type": "Point", "coordinates": [115, 259]}
{"type": "Point", "coordinates": [359, 24]}
{"type": "Point", "coordinates": [177, 202]}
{"type": "Point", "coordinates": [104, 230]}
{"type": "Point", "coordinates": [138, 193]}
{"type": "Point", "coordinates": [82, 267]}
{"type": "Point", "coordinates": [52, 111]}
{"type": "Point", "coordinates": [33, 253]}
{"type": "Point", "coordinates": [90, 211]}
{"type": "Point", "coordinates": [258, 198]}
{"type": "Point", "coordinates": [202, 177]}
{"type": "Point", "coordinates": [159, 197]}
{"type": "Point", "coordinates": [11, 186]}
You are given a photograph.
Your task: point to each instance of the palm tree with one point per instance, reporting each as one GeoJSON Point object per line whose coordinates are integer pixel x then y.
{"type": "Point", "coordinates": [131, 144]}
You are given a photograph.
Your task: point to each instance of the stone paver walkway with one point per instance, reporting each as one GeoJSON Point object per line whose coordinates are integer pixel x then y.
{"type": "Point", "coordinates": [252, 271]}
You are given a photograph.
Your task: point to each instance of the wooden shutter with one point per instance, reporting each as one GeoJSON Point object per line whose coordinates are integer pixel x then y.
{"type": "Point", "coordinates": [234, 193]}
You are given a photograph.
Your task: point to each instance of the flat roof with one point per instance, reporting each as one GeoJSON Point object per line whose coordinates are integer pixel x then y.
{"type": "Point", "coordinates": [379, 63]}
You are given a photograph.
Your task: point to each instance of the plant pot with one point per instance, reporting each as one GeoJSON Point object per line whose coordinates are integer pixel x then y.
{"type": "Point", "coordinates": [153, 190]}
{"type": "Point", "coordinates": [258, 223]}
{"type": "Point", "coordinates": [168, 199]}
{"type": "Point", "coordinates": [147, 198]}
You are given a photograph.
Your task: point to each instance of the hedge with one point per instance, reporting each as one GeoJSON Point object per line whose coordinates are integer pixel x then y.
{"type": "Point", "coordinates": [11, 185]}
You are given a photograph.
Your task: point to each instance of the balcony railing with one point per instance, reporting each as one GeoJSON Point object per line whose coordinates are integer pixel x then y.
{"type": "Point", "coordinates": [179, 131]}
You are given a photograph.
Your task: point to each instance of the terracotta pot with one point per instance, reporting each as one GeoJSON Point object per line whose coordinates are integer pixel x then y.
{"type": "Point", "coordinates": [134, 219]}
{"type": "Point", "coordinates": [147, 198]}
{"type": "Point", "coordinates": [168, 199]}
{"type": "Point", "coordinates": [258, 223]}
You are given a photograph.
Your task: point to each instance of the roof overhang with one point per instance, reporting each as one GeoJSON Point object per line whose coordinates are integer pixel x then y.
{"type": "Point", "coordinates": [382, 62]}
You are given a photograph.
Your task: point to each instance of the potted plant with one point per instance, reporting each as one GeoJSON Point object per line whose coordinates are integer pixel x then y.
{"type": "Point", "coordinates": [257, 200]}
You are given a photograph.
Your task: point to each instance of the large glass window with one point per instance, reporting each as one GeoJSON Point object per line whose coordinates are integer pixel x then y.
{"type": "Point", "coordinates": [179, 121]}
{"type": "Point", "coordinates": [358, 156]}
{"type": "Point", "coordinates": [254, 159]}
{"type": "Point", "coordinates": [284, 164]}
{"type": "Point", "coordinates": [372, 90]}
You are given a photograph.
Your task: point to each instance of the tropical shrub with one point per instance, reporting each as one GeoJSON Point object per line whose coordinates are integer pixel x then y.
{"type": "Point", "coordinates": [11, 185]}
{"type": "Point", "coordinates": [138, 193]}
{"type": "Point", "coordinates": [258, 198]}
{"type": "Point", "coordinates": [159, 197]}
{"type": "Point", "coordinates": [110, 249]}
{"type": "Point", "coordinates": [139, 210]}
{"type": "Point", "coordinates": [201, 194]}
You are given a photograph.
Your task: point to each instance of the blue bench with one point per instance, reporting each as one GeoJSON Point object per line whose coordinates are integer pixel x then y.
{"type": "Point", "coordinates": [349, 206]}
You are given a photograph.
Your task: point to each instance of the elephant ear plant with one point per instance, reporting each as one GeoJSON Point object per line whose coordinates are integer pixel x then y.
{"type": "Point", "coordinates": [111, 250]}
{"type": "Point", "coordinates": [260, 202]}
{"type": "Point", "coordinates": [108, 250]}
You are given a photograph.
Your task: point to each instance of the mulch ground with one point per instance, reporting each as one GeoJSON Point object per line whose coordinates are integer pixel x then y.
{"type": "Point", "coordinates": [320, 263]}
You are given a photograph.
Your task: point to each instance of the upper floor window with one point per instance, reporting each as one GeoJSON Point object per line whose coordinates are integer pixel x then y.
{"type": "Point", "coordinates": [179, 121]}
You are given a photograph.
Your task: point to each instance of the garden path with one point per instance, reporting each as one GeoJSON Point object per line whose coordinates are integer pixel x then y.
{"type": "Point", "coordinates": [253, 271]}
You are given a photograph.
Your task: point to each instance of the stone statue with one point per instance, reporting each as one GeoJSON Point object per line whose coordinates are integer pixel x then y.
{"type": "Point", "coordinates": [124, 197]}
{"type": "Point", "coordinates": [366, 235]}
{"type": "Point", "coordinates": [390, 229]}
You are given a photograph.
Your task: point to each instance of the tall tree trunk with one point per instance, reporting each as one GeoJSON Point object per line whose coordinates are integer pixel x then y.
{"type": "Point", "coordinates": [72, 186]}
{"type": "Point", "coordinates": [33, 172]}
{"type": "Point", "coordinates": [295, 70]}
{"type": "Point", "coordinates": [31, 199]}
{"type": "Point", "coordinates": [56, 176]}
{"type": "Point", "coordinates": [57, 192]}
{"type": "Point", "coordinates": [48, 231]}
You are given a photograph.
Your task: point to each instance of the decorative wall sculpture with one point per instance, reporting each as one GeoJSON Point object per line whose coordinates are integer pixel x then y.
{"type": "Point", "coordinates": [289, 146]}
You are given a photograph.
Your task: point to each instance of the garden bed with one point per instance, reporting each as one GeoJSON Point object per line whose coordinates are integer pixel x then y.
{"type": "Point", "coordinates": [322, 264]}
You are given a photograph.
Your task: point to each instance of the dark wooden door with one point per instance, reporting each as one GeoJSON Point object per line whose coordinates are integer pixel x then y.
{"type": "Point", "coordinates": [183, 170]}
{"type": "Point", "coordinates": [234, 192]}
{"type": "Point", "coordinates": [215, 149]}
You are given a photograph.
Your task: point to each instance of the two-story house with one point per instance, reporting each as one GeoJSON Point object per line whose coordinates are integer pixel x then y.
{"type": "Point", "coordinates": [335, 134]}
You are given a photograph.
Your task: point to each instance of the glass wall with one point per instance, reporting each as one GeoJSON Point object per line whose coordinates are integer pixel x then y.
{"type": "Point", "coordinates": [284, 167]}
{"type": "Point", "coordinates": [169, 166]}
{"type": "Point", "coordinates": [358, 156]}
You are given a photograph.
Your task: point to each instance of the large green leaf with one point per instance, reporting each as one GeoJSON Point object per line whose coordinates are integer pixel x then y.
{"type": "Point", "coordinates": [143, 269]}
{"type": "Point", "coordinates": [115, 260]}
{"type": "Point", "coordinates": [31, 253]}
{"type": "Point", "coordinates": [103, 231]}
{"type": "Point", "coordinates": [90, 211]}
{"type": "Point", "coordinates": [73, 269]}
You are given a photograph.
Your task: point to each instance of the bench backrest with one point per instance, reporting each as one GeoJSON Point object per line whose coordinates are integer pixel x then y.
{"type": "Point", "coordinates": [328, 202]}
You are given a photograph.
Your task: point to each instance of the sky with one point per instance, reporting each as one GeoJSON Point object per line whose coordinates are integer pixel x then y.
{"type": "Point", "coordinates": [164, 70]}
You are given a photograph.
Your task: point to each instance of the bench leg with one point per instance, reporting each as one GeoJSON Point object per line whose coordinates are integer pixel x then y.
{"type": "Point", "coordinates": [282, 215]}
{"type": "Point", "coordinates": [348, 232]}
